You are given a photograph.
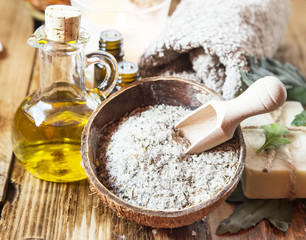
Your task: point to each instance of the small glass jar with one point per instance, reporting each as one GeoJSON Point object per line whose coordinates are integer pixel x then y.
{"type": "Point", "coordinates": [127, 73]}
{"type": "Point", "coordinates": [111, 41]}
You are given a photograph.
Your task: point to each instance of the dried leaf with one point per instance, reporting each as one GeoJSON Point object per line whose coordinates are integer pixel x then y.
{"type": "Point", "coordinates": [294, 81]}
{"type": "Point", "coordinates": [277, 211]}
{"type": "Point", "coordinates": [252, 211]}
{"type": "Point", "coordinates": [237, 194]}
{"type": "Point", "coordinates": [281, 213]}
{"type": "Point", "coordinates": [297, 94]}
{"type": "Point", "coordinates": [244, 216]}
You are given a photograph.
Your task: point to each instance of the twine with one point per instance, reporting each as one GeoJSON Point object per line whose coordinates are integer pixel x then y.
{"type": "Point", "coordinates": [294, 129]}
{"type": "Point", "coordinates": [292, 173]}
{"type": "Point", "coordinates": [271, 156]}
{"type": "Point", "coordinates": [299, 129]}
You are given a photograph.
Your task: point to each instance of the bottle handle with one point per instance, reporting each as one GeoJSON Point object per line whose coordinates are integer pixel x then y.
{"type": "Point", "coordinates": [110, 64]}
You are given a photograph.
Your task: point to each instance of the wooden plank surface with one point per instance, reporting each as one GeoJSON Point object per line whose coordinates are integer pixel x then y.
{"type": "Point", "coordinates": [44, 210]}
{"type": "Point", "coordinates": [15, 70]}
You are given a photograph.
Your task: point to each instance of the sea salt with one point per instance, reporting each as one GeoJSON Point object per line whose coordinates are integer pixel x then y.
{"type": "Point", "coordinates": [143, 162]}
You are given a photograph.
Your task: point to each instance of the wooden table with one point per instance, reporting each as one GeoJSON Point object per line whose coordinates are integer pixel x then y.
{"type": "Point", "coordinates": [35, 209]}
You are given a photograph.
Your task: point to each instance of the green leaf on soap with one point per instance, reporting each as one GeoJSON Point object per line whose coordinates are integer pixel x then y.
{"type": "Point", "coordinates": [277, 211]}
{"type": "Point", "coordinates": [290, 76]}
{"type": "Point", "coordinates": [300, 119]}
{"type": "Point", "coordinates": [274, 136]}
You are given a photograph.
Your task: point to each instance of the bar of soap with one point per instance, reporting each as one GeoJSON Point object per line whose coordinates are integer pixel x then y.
{"type": "Point", "coordinates": [263, 181]}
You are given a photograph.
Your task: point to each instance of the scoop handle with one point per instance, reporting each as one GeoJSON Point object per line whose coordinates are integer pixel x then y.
{"type": "Point", "coordinates": [265, 95]}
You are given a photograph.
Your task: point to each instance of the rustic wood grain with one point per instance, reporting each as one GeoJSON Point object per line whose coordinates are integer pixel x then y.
{"type": "Point", "coordinates": [293, 46]}
{"type": "Point", "coordinates": [15, 70]}
{"type": "Point", "coordinates": [44, 210]}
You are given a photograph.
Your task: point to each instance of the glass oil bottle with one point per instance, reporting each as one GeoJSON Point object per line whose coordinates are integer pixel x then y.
{"type": "Point", "coordinates": [127, 73]}
{"type": "Point", "coordinates": [111, 41]}
{"type": "Point", "coordinates": [47, 127]}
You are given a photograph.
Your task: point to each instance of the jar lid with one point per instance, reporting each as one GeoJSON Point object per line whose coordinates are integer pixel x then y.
{"type": "Point", "coordinates": [128, 70]}
{"type": "Point", "coordinates": [110, 39]}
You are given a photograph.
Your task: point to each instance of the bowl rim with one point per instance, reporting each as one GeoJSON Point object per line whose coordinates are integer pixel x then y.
{"type": "Point", "coordinates": [85, 5]}
{"type": "Point", "coordinates": [101, 189]}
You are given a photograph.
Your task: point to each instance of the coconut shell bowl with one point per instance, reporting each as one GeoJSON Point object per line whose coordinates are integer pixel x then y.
{"type": "Point", "coordinates": [149, 92]}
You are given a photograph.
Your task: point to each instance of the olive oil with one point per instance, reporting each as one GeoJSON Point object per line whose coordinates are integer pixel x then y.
{"type": "Point", "coordinates": [47, 138]}
{"type": "Point", "coordinates": [47, 128]}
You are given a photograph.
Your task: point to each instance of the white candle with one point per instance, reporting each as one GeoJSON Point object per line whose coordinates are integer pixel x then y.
{"type": "Point", "coordinates": [138, 26]}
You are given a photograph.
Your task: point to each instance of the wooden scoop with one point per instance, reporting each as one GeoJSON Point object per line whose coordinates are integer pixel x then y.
{"type": "Point", "coordinates": [216, 121]}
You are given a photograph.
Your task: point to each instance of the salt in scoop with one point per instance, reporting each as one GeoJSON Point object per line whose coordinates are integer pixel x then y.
{"type": "Point", "coordinates": [215, 122]}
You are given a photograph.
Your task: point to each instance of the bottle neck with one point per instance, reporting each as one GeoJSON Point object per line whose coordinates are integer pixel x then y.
{"type": "Point", "coordinates": [62, 70]}
{"type": "Point", "coordinates": [117, 53]}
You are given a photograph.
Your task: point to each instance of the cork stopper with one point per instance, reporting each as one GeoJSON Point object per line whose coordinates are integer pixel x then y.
{"type": "Point", "coordinates": [62, 23]}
